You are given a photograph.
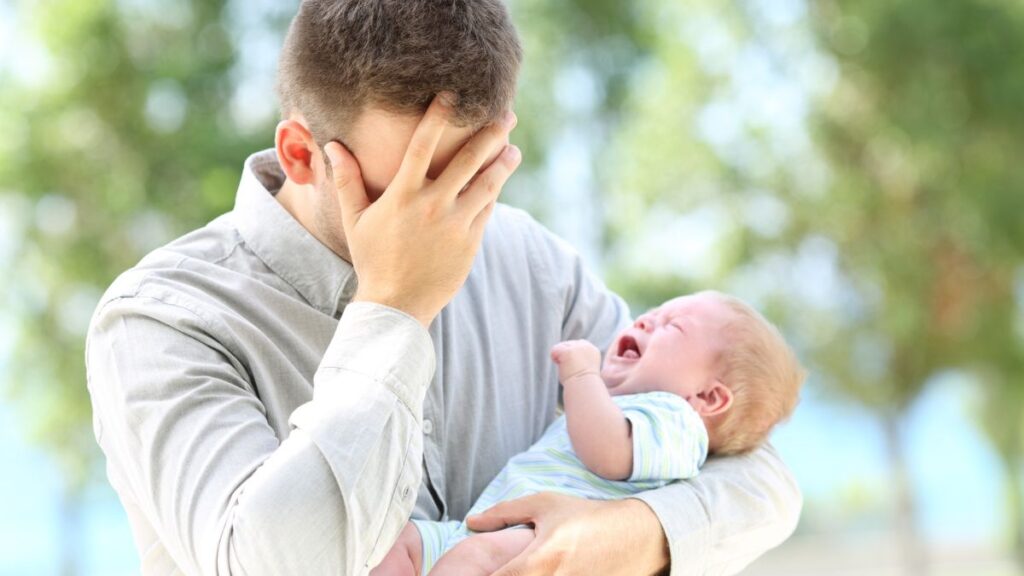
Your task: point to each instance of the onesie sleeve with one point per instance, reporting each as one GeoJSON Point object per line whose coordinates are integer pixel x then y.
{"type": "Point", "coordinates": [670, 441]}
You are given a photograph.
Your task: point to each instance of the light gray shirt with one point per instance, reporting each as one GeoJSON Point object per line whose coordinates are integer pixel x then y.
{"type": "Point", "coordinates": [255, 422]}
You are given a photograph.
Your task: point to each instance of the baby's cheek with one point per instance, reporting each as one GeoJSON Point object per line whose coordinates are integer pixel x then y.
{"type": "Point", "coordinates": [610, 351]}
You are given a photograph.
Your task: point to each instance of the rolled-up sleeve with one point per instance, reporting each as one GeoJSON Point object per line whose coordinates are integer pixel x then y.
{"type": "Point", "coordinates": [187, 439]}
{"type": "Point", "coordinates": [735, 510]}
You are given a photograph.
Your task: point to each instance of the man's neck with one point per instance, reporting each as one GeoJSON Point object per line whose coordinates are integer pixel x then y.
{"type": "Point", "coordinates": [299, 201]}
{"type": "Point", "coordinates": [296, 200]}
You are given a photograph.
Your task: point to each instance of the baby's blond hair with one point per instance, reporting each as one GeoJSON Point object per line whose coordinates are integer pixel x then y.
{"type": "Point", "coordinates": [762, 372]}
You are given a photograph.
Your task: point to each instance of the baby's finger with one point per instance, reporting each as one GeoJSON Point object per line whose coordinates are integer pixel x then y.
{"type": "Point", "coordinates": [558, 351]}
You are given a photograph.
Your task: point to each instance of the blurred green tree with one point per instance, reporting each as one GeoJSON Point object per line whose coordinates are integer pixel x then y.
{"type": "Point", "coordinates": [923, 135]}
{"type": "Point", "coordinates": [907, 203]}
{"type": "Point", "coordinates": [124, 147]}
{"type": "Point", "coordinates": [1002, 419]}
{"type": "Point", "coordinates": [123, 141]}
{"type": "Point", "coordinates": [918, 213]}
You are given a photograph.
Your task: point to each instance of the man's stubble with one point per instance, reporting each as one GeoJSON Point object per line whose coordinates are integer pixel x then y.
{"type": "Point", "coordinates": [328, 221]}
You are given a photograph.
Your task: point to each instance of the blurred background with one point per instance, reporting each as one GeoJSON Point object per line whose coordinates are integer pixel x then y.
{"type": "Point", "coordinates": [854, 169]}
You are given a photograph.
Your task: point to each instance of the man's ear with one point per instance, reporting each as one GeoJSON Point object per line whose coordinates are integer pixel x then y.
{"type": "Point", "coordinates": [715, 400]}
{"type": "Point", "coordinates": [296, 149]}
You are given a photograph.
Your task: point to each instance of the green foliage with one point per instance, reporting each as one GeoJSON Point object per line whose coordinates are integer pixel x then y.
{"type": "Point", "coordinates": [926, 204]}
{"type": "Point", "coordinates": [909, 200]}
{"type": "Point", "coordinates": [127, 144]}
{"type": "Point", "coordinates": [911, 183]}
{"type": "Point", "coordinates": [924, 152]}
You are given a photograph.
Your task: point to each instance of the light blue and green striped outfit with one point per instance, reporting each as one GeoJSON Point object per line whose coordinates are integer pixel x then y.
{"type": "Point", "coordinates": [670, 443]}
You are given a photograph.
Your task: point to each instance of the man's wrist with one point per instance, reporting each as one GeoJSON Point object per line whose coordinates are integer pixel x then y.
{"type": "Point", "coordinates": [384, 344]}
{"type": "Point", "coordinates": [397, 304]}
{"type": "Point", "coordinates": [651, 543]}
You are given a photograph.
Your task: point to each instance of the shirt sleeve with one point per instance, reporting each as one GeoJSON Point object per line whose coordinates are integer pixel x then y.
{"type": "Point", "coordinates": [669, 438]}
{"type": "Point", "coordinates": [735, 510]}
{"type": "Point", "coordinates": [188, 442]}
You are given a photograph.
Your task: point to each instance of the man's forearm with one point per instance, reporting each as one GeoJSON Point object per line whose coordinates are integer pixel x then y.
{"type": "Point", "coordinates": [644, 538]}
{"type": "Point", "coordinates": [734, 511]}
{"type": "Point", "coordinates": [189, 446]}
{"type": "Point", "coordinates": [372, 468]}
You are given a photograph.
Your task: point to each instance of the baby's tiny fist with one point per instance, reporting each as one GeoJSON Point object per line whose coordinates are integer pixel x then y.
{"type": "Point", "coordinates": [558, 352]}
{"type": "Point", "coordinates": [576, 358]}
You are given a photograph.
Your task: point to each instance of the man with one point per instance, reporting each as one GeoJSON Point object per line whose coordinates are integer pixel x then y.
{"type": "Point", "coordinates": [263, 412]}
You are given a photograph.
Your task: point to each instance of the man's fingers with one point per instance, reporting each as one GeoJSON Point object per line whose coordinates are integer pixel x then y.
{"type": "Point", "coordinates": [473, 154]}
{"type": "Point", "coordinates": [489, 521]}
{"type": "Point", "coordinates": [486, 188]}
{"type": "Point", "coordinates": [526, 510]}
{"type": "Point", "coordinates": [476, 229]}
{"type": "Point", "coordinates": [348, 183]}
{"type": "Point", "coordinates": [504, 514]}
{"type": "Point", "coordinates": [424, 140]}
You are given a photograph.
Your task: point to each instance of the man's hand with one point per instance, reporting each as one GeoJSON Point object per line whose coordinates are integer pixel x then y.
{"type": "Point", "coordinates": [575, 359]}
{"type": "Point", "coordinates": [412, 248]}
{"type": "Point", "coordinates": [575, 536]}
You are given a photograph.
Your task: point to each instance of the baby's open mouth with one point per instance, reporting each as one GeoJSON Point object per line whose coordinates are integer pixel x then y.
{"type": "Point", "coordinates": [628, 348]}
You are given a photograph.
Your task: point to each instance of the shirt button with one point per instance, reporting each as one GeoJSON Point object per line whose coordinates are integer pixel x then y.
{"type": "Point", "coordinates": [405, 492]}
{"type": "Point", "coordinates": [428, 426]}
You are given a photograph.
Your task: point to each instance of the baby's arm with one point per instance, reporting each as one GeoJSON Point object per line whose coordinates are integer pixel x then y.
{"type": "Point", "coordinates": [599, 432]}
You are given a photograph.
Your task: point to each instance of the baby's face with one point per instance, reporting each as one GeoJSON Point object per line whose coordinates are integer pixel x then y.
{"type": "Point", "coordinates": [672, 348]}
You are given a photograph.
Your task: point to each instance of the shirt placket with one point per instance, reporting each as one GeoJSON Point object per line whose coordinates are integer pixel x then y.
{"type": "Point", "coordinates": [433, 435]}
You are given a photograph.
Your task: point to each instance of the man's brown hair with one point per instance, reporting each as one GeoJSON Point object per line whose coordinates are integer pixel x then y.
{"type": "Point", "coordinates": [342, 55]}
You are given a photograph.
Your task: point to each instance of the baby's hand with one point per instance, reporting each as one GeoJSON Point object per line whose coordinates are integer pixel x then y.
{"type": "Point", "coordinates": [576, 358]}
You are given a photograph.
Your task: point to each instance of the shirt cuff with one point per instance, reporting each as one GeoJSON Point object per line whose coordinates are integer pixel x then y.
{"type": "Point", "coordinates": [386, 345]}
{"type": "Point", "coordinates": [687, 534]}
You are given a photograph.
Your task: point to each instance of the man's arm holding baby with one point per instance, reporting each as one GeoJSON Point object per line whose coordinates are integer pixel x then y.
{"type": "Point", "coordinates": [599, 431]}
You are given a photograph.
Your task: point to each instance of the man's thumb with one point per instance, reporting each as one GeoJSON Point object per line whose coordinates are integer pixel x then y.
{"type": "Point", "coordinates": [348, 182]}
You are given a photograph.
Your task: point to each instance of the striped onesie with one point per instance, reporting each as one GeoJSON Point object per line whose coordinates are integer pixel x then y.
{"type": "Point", "coordinates": [670, 443]}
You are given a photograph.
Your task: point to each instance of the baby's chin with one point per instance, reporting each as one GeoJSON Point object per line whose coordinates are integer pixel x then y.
{"type": "Point", "coordinates": [613, 380]}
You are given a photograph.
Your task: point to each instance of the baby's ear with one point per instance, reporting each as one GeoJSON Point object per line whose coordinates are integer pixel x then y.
{"type": "Point", "coordinates": [713, 401]}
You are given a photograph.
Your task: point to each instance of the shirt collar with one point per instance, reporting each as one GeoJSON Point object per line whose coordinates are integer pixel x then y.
{"type": "Point", "coordinates": [322, 277]}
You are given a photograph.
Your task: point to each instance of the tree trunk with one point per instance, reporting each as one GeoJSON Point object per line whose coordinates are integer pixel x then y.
{"type": "Point", "coordinates": [1015, 495]}
{"type": "Point", "coordinates": [911, 547]}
